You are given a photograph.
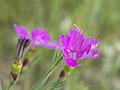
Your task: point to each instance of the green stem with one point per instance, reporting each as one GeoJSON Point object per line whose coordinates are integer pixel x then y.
{"type": "Point", "coordinates": [10, 84]}
{"type": "Point", "coordinates": [47, 74]}
{"type": "Point", "coordinates": [57, 84]}
{"type": "Point", "coordinates": [54, 86]}
{"type": "Point", "coordinates": [38, 84]}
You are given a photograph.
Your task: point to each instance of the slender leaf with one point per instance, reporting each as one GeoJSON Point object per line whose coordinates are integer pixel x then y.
{"type": "Point", "coordinates": [42, 81]}
{"type": "Point", "coordinates": [58, 59]}
{"type": "Point", "coordinates": [58, 85]}
{"type": "Point", "coordinates": [55, 86]}
{"type": "Point", "coordinates": [53, 58]}
{"type": "Point", "coordinates": [61, 86]}
{"type": "Point", "coordinates": [50, 83]}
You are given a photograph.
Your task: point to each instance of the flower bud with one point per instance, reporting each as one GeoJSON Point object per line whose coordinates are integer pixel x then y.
{"type": "Point", "coordinates": [22, 46]}
{"type": "Point", "coordinates": [65, 73]}
{"type": "Point", "coordinates": [26, 64]}
{"type": "Point", "coordinates": [28, 57]}
{"type": "Point", "coordinates": [23, 42]}
{"type": "Point", "coordinates": [15, 69]}
{"type": "Point", "coordinates": [16, 66]}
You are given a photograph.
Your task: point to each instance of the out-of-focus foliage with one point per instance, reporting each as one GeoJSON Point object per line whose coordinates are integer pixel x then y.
{"type": "Point", "coordinates": [98, 18]}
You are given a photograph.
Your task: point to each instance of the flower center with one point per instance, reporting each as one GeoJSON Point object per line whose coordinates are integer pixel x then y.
{"type": "Point", "coordinates": [72, 55]}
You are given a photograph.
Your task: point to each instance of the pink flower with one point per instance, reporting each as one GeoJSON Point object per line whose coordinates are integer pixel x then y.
{"type": "Point", "coordinates": [39, 37]}
{"type": "Point", "coordinates": [76, 47]}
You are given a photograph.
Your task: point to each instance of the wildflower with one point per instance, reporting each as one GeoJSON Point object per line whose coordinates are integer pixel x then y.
{"type": "Point", "coordinates": [76, 47]}
{"type": "Point", "coordinates": [39, 37]}
{"type": "Point", "coordinates": [22, 46]}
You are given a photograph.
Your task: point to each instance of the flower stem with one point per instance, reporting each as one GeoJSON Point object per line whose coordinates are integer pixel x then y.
{"type": "Point", "coordinates": [41, 82]}
{"type": "Point", "coordinates": [55, 86]}
{"type": "Point", "coordinates": [10, 84]}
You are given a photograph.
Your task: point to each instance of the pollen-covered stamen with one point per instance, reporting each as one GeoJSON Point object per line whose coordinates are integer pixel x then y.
{"type": "Point", "coordinates": [79, 28]}
{"type": "Point", "coordinates": [23, 42]}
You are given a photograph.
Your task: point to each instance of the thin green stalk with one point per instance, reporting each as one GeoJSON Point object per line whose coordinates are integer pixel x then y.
{"type": "Point", "coordinates": [41, 82]}
{"type": "Point", "coordinates": [58, 58]}
{"type": "Point", "coordinates": [57, 61]}
{"type": "Point", "coordinates": [53, 59]}
{"type": "Point", "coordinates": [50, 84]}
{"type": "Point", "coordinates": [48, 73]}
{"type": "Point", "coordinates": [10, 84]}
{"type": "Point", "coordinates": [38, 85]}
{"type": "Point", "coordinates": [58, 84]}
{"type": "Point", "coordinates": [55, 86]}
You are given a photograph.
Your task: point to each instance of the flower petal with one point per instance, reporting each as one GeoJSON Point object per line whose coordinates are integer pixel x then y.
{"type": "Point", "coordinates": [71, 63]}
{"type": "Point", "coordinates": [64, 40]}
{"type": "Point", "coordinates": [40, 37]}
{"type": "Point", "coordinates": [20, 30]}
{"type": "Point", "coordinates": [76, 39]}
{"type": "Point", "coordinates": [92, 53]}
{"type": "Point", "coordinates": [64, 43]}
{"type": "Point", "coordinates": [52, 45]}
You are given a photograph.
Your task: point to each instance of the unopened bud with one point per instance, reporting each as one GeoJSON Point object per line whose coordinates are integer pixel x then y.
{"type": "Point", "coordinates": [65, 73]}
{"type": "Point", "coordinates": [26, 64]}
{"type": "Point", "coordinates": [28, 57]}
{"type": "Point", "coordinates": [14, 76]}
{"type": "Point", "coordinates": [23, 42]}
{"type": "Point", "coordinates": [16, 66]}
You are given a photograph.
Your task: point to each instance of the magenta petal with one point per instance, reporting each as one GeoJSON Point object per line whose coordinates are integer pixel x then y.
{"type": "Point", "coordinates": [40, 37]}
{"type": "Point", "coordinates": [75, 39]}
{"type": "Point", "coordinates": [52, 45]}
{"type": "Point", "coordinates": [86, 45]}
{"type": "Point", "coordinates": [71, 63]}
{"type": "Point", "coordinates": [40, 34]}
{"type": "Point", "coordinates": [90, 55]}
{"type": "Point", "coordinates": [64, 41]}
{"type": "Point", "coordinates": [20, 30]}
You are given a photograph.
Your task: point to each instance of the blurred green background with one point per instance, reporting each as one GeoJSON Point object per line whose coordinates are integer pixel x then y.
{"type": "Point", "coordinates": [98, 18]}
